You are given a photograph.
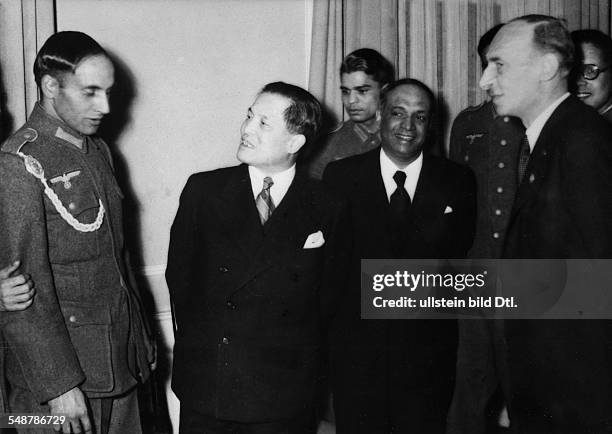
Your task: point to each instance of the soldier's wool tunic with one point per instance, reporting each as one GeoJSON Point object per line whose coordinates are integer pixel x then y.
{"type": "Point", "coordinates": [85, 326]}
{"type": "Point", "coordinates": [489, 145]}
{"type": "Point", "coordinates": [348, 139]}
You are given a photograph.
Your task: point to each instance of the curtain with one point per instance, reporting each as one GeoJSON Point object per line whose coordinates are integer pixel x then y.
{"type": "Point", "coordinates": [24, 26]}
{"type": "Point", "coordinates": [434, 41]}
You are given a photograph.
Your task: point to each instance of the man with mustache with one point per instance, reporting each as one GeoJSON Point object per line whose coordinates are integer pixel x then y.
{"type": "Point", "coordinates": [82, 346]}
{"type": "Point", "coordinates": [363, 75]}
{"type": "Point", "coordinates": [255, 267]}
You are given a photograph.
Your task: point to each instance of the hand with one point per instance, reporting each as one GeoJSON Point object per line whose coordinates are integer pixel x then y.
{"type": "Point", "coordinates": [16, 290]}
{"type": "Point", "coordinates": [73, 405]}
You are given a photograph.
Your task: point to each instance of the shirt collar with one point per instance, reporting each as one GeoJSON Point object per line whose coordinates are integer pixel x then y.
{"type": "Point", "coordinates": [412, 171]}
{"type": "Point", "coordinates": [282, 181]}
{"type": "Point", "coordinates": [534, 130]}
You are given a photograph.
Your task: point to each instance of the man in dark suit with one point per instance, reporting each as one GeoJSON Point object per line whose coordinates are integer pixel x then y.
{"type": "Point", "coordinates": [559, 370]}
{"type": "Point", "coordinates": [254, 270]}
{"type": "Point", "coordinates": [397, 375]}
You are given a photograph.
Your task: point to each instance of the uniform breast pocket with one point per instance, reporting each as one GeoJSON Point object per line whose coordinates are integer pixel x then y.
{"type": "Point", "coordinates": [69, 244]}
{"type": "Point", "coordinates": [89, 329]}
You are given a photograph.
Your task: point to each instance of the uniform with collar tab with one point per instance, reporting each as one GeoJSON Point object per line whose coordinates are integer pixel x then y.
{"type": "Point", "coordinates": [85, 326]}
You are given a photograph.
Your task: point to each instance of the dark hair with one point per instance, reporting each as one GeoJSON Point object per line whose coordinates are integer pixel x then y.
{"type": "Point", "coordinates": [551, 35]}
{"type": "Point", "coordinates": [303, 116]}
{"type": "Point", "coordinates": [63, 52]}
{"type": "Point", "coordinates": [485, 41]}
{"type": "Point", "coordinates": [371, 62]}
{"type": "Point", "coordinates": [409, 82]}
{"type": "Point", "coordinates": [598, 39]}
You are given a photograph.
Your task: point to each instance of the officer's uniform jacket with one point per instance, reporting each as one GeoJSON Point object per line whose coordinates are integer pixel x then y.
{"type": "Point", "coordinates": [348, 139]}
{"type": "Point", "coordinates": [85, 326]}
{"type": "Point", "coordinates": [489, 145]}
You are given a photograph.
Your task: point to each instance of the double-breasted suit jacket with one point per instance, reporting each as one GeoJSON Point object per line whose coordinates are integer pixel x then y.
{"type": "Point", "coordinates": [401, 366]}
{"type": "Point", "coordinates": [560, 372]}
{"type": "Point", "coordinates": [85, 327]}
{"type": "Point", "coordinates": [251, 302]}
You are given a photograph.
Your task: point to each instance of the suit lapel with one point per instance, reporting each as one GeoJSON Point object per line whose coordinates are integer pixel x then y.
{"type": "Point", "coordinates": [235, 207]}
{"type": "Point", "coordinates": [281, 235]}
{"type": "Point", "coordinates": [374, 205]}
{"type": "Point", "coordinates": [540, 156]}
{"type": "Point", "coordinates": [428, 194]}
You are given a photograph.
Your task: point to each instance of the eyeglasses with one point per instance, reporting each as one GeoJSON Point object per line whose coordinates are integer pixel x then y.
{"type": "Point", "coordinates": [590, 71]}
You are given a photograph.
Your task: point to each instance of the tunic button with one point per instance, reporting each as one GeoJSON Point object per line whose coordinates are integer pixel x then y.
{"type": "Point", "coordinates": [500, 190]}
{"type": "Point", "coordinates": [72, 318]}
{"type": "Point", "coordinates": [498, 212]}
{"type": "Point", "coordinates": [230, 305]}
{"type": "Point", "coordinates": [225, 340]}
{"type": "Point", "coordinates": [503, 142]}
{"type": "Point", "coordinates": [72, 206]}
{"type": "Point", "coordinates": [501, 165]}
{"type": "Point", "coordinates": [466, 158]}
{"type": "Point", "coordinates": [223, 269]}
{"type": "Point", "coordinates": [496, 235]}
{"type": "Point", "coordinates": [506, 119]}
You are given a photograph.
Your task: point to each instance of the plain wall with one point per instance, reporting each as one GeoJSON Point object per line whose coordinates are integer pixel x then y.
{"type": "Point", "coordinates": [193, 68]}
{"type": "Point", "coordinates": [186, 72]}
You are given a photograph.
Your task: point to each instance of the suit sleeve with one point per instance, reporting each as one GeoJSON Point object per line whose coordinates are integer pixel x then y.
{"type": "Point", "coordinates": [587, 184]}
{"type": "Point", "coordinates": [182, 249]}
{"type": "Point", "coordinates": [336, 266]}
{"type": "Point", "coordinates": [37, 337]}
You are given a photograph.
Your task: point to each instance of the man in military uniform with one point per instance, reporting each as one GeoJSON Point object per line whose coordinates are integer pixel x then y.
{"type": "Point", "coordinates": [82, 346]}
{"type": "Point", "coordinates": [489, 145]}
{"type": "Point", "coordinates": [363, 74]}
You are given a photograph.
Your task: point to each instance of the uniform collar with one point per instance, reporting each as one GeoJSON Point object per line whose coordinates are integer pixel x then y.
{"type": "Point", "coordinates": [48, 125]}
{"type": "Point", "coordinates": [364, 134]}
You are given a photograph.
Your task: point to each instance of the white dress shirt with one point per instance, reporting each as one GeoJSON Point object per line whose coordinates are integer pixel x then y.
{"type": "Point", "coordinates": [282, 181]}
{"type": "Point", "coordinates": [412, 171]}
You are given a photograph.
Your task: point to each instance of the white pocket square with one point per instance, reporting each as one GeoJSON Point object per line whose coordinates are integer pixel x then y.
{"type": "Point", "coordinates": [448, 210]}
{"type": "Point", "coordinates": [314, 240]}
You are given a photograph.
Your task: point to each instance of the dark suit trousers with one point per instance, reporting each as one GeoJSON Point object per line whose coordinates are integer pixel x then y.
{"type": "Point", "coordinates": [193, 422]}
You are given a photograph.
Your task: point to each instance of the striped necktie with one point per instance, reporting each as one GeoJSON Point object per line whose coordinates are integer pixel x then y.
{"type": "Point", "coordinates": [524, 153]}
{"type": "Point", "coordinates": [265, 205]}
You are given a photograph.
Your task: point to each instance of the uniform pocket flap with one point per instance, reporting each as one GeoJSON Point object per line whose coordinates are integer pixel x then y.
{"type": "Point", "coordinates": [77, 314]}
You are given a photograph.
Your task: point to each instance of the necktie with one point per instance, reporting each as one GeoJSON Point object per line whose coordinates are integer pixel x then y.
{"type": "Point", "coordinates": [400, 200]}
{"type": "Point", "coordinates": [400, 210]}
{"type": "Point", "coordinates": [264, 203]}
{"type": "Point", "coordinates": [524, 153]}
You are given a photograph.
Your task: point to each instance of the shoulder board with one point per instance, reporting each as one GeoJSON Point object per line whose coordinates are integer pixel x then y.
{"type": "Point", "coordinates": [13, 144]}
{"type": "Point", "coordinates": [474, 108]}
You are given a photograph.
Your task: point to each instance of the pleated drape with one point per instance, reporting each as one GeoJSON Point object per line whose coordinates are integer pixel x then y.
{"type": "Point", "coordinates": [432, 40]}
